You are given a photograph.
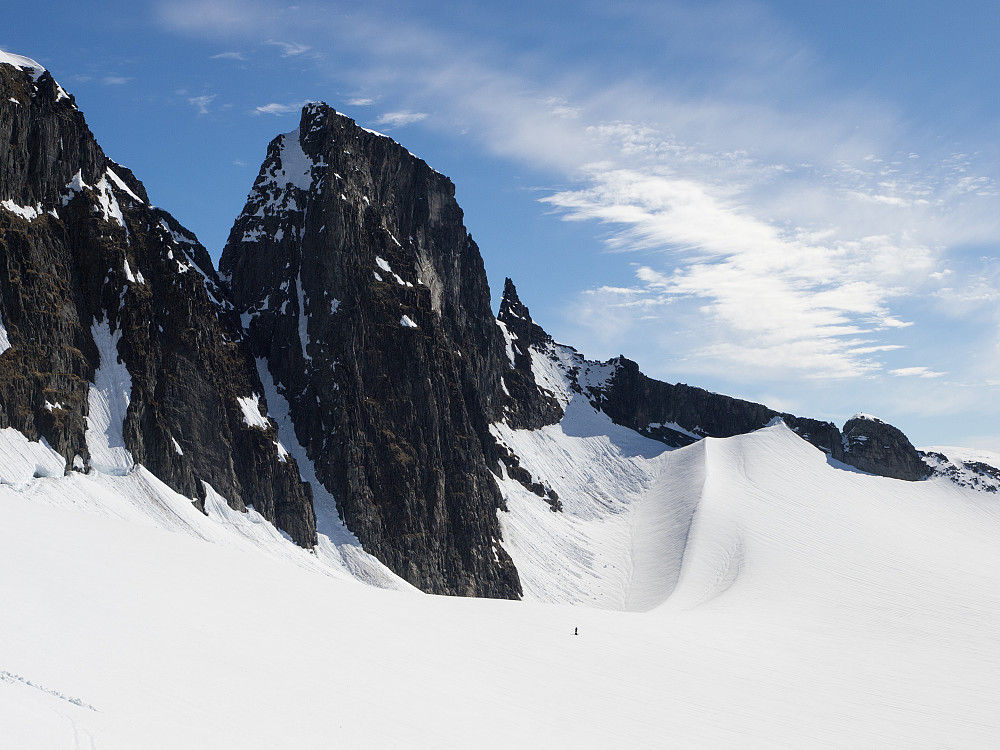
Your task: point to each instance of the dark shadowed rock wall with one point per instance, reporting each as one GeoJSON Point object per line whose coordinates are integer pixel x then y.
{"type": "Point", "coordinates": [367, 299]}
{"type": "Point", "coordinates": [84, 259]}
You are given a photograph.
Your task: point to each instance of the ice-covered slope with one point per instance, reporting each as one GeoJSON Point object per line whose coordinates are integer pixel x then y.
{"type": "Point", "coordinates": [814, 607]}
{"type": "Point", "coordinates": [642, 525]}
{"type": "Point", "coordinates": [32, 471]}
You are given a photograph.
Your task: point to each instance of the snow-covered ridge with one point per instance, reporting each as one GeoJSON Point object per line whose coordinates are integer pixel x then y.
{"type": "Point", "coordinates": [104, 192]}
{"type": "Point", "coordinates": [33, 67]}
{"type": "Point", "coordinates": [966, 467]}
{"type": "Point", "coordinates": [20, 61]}
{"type": "Point", "coordinates": [644, 526]}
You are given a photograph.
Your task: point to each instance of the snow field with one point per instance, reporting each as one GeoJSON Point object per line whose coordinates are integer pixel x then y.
{"type": "Point", "coordinates": [777, 601]}
{"type": "Point", "coordinates": [887, 644]}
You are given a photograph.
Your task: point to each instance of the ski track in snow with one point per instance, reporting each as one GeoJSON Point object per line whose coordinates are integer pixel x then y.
{"type": "Point", "coordinates": [15, 679]}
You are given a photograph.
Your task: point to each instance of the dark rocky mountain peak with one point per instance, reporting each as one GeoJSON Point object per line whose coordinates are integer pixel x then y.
{"type": "Point", "coordinates": [366, 301]}
{"type": "Point", "coordinates": [532, 406]}
{"type": "Point", "coordinates": [122, 348]}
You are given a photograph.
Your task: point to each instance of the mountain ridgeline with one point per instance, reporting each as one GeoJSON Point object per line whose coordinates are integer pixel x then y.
{"type": "Point", "coordinates": [121, 346]}
{"type": "Point", "coordinates": [350, 287]}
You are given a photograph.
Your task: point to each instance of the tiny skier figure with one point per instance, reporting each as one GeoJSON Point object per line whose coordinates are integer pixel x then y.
{"type": "Point", "coordinates": [576, 631]}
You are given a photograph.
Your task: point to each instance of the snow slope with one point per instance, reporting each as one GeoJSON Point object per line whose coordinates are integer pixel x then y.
{"type": "Point", "coordinates": [809, 606]}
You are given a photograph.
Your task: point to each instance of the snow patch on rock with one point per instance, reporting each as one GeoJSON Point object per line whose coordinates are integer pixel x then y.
{"type": "Point", "coordinates": [4, 340]}
{"type": "Point", "coordinates": [252, 416]}
{"type": "Point", "coordinates": [108, 400]}
{"type": "Point", "coordinates": [28, 213]}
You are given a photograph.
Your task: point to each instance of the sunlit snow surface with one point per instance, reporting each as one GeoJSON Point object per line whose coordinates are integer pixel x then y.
{"type": "Point", "coordinates": [814, 607]}
{"type": "Point", "coordinates": [771, 599]}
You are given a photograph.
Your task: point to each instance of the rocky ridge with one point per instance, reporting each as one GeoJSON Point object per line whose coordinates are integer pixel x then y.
{"type": "Point", "coordinates": [680, 414]}
{"type": "Point", "coordinates": [121, 345]}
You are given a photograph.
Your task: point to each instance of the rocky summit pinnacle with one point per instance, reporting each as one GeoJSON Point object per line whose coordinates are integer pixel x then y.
{"type": "Point", "coordinates": [367, 300]}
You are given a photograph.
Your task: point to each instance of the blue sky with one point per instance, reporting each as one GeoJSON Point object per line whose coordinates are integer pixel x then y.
{"type": "Point", "coordinates": [796, 203]}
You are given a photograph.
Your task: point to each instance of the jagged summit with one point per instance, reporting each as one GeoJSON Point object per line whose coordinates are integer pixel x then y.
{"type": "Point", "coordinates": [366, 300]}
{"type": "Point", "coordinates": [121, 347]}
{"type": "Point", "coordinates": [41, 78]}
{"type": "Point", "coordinates": [515, 316]}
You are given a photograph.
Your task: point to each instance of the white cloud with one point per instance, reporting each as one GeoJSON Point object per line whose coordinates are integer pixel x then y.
{"type": "Point", "coordinates": [360, 101]}
{"type": "Point", "coordinates": [276, 108]}
{"type": "Point", "coordinates": [227, 16]}
{"type": "Point", "coordinates": [289, 49]}
{"type": "Point", "coordinates": [228, 56]}
{"type": "Point", "coordinates": [202, 102]}
{"type": "Point", "coordinates": [915, 372]}
{"type": "Point", "coordinates": [399, 119]}
{"type": "Point", "coordinates": [116, 80]}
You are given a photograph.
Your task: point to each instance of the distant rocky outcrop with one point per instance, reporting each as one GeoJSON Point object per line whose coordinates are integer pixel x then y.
{"type": "Point", "coordinates": [879, 448]}
{"type": "Point", "coordinates": [680, 414]}
{"type": "Point", "coordinates": [122, 345]}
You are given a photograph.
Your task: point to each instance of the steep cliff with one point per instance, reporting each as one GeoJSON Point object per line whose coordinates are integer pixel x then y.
{"type": "Point", "coordinates": [367, 300]}
{"type": "Point", "coordinates": [120, 344]}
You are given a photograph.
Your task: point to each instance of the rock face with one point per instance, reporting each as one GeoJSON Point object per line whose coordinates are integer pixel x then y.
{"type": "Point", "coordinates": [122, 345]}
{"type": "Point", "coordinates": [679, 414]}
{"type": "Point", "coordinates": [367, 299]}
{"type": "Point", "coordinates": [879, 448]}
{"type": "Point", "coordinates": [535, 407]}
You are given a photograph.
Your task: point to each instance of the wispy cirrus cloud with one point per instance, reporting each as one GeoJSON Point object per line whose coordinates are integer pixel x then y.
{"type": "Point", "coordinates": [289, 49]}
{"type": "Point", "coordinates": [769, 225]}
{"type": "Point", "coordinates": [201, 102]}
{"type": "Point", "coordinates": [916, 372]}
{"type": "Point", "coordinates": [228, 56]}
{"type": "Point", "coordinates": [399, 119]}
{"type": "Point", "coordinates": [277, 108]}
